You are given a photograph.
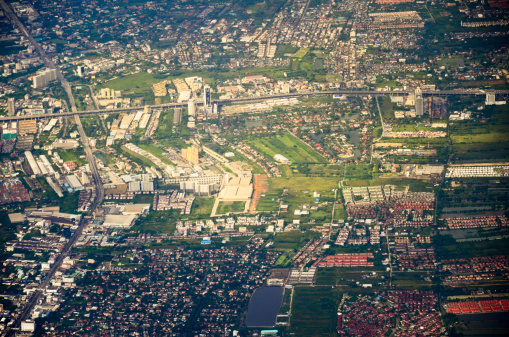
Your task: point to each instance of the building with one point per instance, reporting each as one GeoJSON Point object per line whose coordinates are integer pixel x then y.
{"type": "Point", "coordinates": [191, 107]}
{"type": "Point", "coordinates": [81, 71]}
{"type": "Point", "coordinates": [43, 78]}
{"type": "Point", "coordinates": [206, 96]}
{"type": "Point", "coordinates": [191, 154]}
{"type": "Point", "coordinates": [119, 221]}
{"type": "Point", "coordinates": [27, 126]}
{"type": "Point", "coordinates": [419, 102]}
{"type": "Point", "coordinates": [177, 116]}
{"type": "Point", "coordinates": [11, 106]}
{"type": "Point", "coordinates": [490, 98]}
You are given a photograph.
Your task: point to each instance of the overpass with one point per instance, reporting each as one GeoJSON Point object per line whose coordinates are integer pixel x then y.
{"type": "Point", "coordinates": [250, 99]}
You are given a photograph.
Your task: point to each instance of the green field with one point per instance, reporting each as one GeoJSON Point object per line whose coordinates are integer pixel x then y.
{"type": "Point", "coordinates": [157, 222]}
{"type": "Point", "coordinates": [304, 183]}
{"type": "Point", "coordinates": [301, 53]}
{"type": "Point", "coordinates": [231, 207]}
{"type": "Point", "coordinates": [202, 207]}
{"type": "Point", "coordinates": [288, 146]}
{"type": "Point", "coordinates": [386, 107]}
{"type": "Point", "coordinates": [156, 151]}
{"type": "Point", "coordinates": [293, 240]}
{"type": "Point", "coordinates": [314, 311]}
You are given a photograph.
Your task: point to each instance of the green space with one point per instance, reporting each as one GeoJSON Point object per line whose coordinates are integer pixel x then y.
{"type": "Point", "coordinates": [300, 184]}
{"type": "Point", "coordinates": [448, 248]}
{"type": "Point", "coordinates": [386, 106]}
{"type": "Point", "coordinates": [202, 207]}
{"type": "Point", "coordinates": [165, 125]}
{"type": "Point", "coordinates": [156, 151]}
{"type": "Point", "coordinates": [349, 276]}
{"type": "Point", "coordinates": [226, 207]}
{"type": "Point", "coordinates": [72, 155]}
{"type": "Point", "coordinates": [301, 53]}
{"type": "Point", "coordinates": [292, 241]}
{"type": "Point", "coordinates": [286, 145]}
{"type": "Point", "coordinates": [157, 222]}
{"type": "Point", "coordinates": [137, 157]}
{"type": "Point", "coordinates": [314, 311]}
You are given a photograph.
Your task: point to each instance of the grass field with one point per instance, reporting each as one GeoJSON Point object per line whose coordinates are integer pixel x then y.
{"type": "Point", "coordinates": [156, 151]}
{"type": "Point", "coordinates": [288, 146]}
{"type": "Point", "coordinates": [314, 311]}
{"type": "Point", "coordinates": [451, 250]}
{"type": "Point", "coordinates": [293, 240]}
{"type": "Point", "coordinates": [301, 53]}
{"type": "Point", "coordinates": [231, 206]}
{"type": "Point", "coordinates": [132, 154]}
{"type": "Point", "coordinates": [165, 125]}
{"type": "Point", "coordinates": [386, 107]}
{"type": "Point", "coordinates": [157, 222]}
{"type": "Point", "coordinates": [304, 183]}
{"type": "Point", "coordinates": [481, 138]}
{"type": "Point", "coordinates": [202, 207]}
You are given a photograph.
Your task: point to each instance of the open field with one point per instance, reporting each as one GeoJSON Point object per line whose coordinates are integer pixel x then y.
{"type": "Point", "coordinates": [201, 209]}
{"type": "Point", "coordinates": [231, 207]}
{"type": "Point", "coordinates": [157, 222]}
{"type": "Point", "coordinates": [292, 240]}
{"type": "Point", "coordinates": [286, 145]}
{"type": "Point", "coordinates": [348, 276]}
{"type": "Point", "coordinates": [449, 249]}
{"type": "Point", "coordinates": [304, 183]}
{"type": "Point", "coordinates": [314, 311]}
{"type": "Point", "coordinates": [301, 53]}
{"type": "Point", "coordinates": [156, 151]}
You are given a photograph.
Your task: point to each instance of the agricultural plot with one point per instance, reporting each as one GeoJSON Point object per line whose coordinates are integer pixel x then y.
{"type": "Point", "coordinates": [286, 145]}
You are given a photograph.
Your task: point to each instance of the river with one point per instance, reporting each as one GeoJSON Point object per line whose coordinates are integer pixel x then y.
{"type": "Point", "coordinates": [264, 307]}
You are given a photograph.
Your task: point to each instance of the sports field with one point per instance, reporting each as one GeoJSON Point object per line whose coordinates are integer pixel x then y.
{"type": "Point", "coordinates": [286, 145]}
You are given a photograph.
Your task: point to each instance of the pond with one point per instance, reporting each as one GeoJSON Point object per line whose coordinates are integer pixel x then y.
{"type": "Point", "coordinates": [264, 307]}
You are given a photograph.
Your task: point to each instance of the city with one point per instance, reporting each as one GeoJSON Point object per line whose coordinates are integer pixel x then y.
{"type": "Point", "coordinates": [254, 168]}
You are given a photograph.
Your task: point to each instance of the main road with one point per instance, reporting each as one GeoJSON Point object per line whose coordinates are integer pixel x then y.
{"type": "Point", "coordinates": [74, 112]}
{"type": "Point", "coordinates": [98, 190]}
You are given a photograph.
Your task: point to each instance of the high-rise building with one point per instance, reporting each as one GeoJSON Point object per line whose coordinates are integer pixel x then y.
{"type": "Point", "coordinates": [11, 106]}
{"type": "Point", "coordinates": [490, 98]}
{"type": "Point", "coordinates": [81, 71]}
{"type": "Point", "coordinates": [206, 96]}
{"type": "Point", "coordinates": [43, 78]}
{"type": "Point", "coordinates": [191, 107]}
{"type": "Point", "coordinates": [419, 102]}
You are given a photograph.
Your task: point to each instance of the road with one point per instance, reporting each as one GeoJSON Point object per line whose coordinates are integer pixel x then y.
{"type": "Point", "coordinates": [244, 100]}
{"type": "Point", "coordinates": [99, 190]}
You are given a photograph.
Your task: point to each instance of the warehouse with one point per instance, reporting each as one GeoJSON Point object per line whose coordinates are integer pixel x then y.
{"type": "Point", "coordinates": [74, 183]}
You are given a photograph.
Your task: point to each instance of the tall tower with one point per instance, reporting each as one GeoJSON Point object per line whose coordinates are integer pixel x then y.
{"type": "Point", "coordinates": [206, 96]}
{"type": "Point", "coordinates": [419, 102]}
{"type": "Point", "coordinates": [11, 106]}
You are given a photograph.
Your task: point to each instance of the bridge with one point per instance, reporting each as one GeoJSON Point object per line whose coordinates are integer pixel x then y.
{"type": "Point", "coordinates": [256, 99]}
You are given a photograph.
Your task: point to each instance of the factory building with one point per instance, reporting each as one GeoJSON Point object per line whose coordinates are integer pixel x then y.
{"type": "Point", "coordinates": [33, 164]}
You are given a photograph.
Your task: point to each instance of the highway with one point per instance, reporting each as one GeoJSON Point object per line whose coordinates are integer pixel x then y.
{"type": "Point", "coordinates": [99, 190]}
{"type": "Point", "coordinates": [74, 112]}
